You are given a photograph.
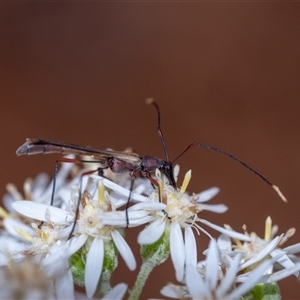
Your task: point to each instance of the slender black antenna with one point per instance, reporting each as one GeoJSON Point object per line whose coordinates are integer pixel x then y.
{"type": "Point", "coordinates": [151, 101]}
{"type": "Point", "coordinates": [277, 190]}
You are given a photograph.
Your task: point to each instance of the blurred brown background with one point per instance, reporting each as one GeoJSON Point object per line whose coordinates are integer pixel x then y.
{"type": "Point", "coordinates": [225, 74]}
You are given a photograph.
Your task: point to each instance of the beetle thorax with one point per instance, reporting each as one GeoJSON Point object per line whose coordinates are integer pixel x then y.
{"type": "Point", "coordinates": [150, 163]}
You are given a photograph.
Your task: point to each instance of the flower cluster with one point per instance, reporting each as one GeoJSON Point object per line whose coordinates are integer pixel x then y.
{"type": "Point", "coordinates": [76, 241]}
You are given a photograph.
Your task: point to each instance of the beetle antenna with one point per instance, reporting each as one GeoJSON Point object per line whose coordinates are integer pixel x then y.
{"type": "Point", "coordinates": [160, 134]}
{"type": "Point", "coordinates": [276, 188]}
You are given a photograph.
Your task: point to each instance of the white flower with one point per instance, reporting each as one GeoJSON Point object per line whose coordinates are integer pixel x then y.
{"type": "Point", "coordinates": [93, 227]}
{"type": "Point", "coordinates": [217, 279]}
{"type": "Point", "coordinates": [41, 245]}
{"type": "Point", "coordinates": [258, 249]}
{"type": "Point", "coordinates": [181, 212]}
{"type": "Point", "coordinates": [25, 280]}
{"type": "Point", "coordinates": [78, 239]}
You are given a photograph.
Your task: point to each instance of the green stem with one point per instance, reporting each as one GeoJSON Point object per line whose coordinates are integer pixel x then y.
{"type": "Point", "coordinates": [153, 255]}
{"type": "Point", "coordinates": [142, 277]}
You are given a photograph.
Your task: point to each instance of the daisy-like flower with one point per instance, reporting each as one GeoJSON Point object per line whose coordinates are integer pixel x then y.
{"type": "Point", "coordinates": [20, 235]}
{"type": "Point", "coordinates": [258, 249]}
{"type": "Point", "coordinates": [95, 233]}
{"type": "Point", "coordinates": [181, 212]}
{"type": "Point", "coordinates": [78, 239]}
{"type": "Point", "coordinates": [41, 245]}
{"type": "Point", "coordinates": [25, 280]}
{"type": "Point", "coordinates": [217, 277]}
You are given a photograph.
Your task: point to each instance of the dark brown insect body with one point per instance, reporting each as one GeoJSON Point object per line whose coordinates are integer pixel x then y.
{"type": "Point", "coordinates": [117, 161]}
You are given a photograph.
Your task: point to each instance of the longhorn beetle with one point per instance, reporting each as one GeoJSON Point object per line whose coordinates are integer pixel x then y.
{"type": "Point", "coordinates": [121, 162]}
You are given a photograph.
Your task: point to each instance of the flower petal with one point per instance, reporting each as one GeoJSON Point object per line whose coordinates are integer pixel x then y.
{"type": "Point", "coordinates": [74, 244]}
{"type": "Point", "coordinates": [284, 273]}
{"type": "Point", "coordinates": [212, 265]}
{"type": "Point", "coordinates": [56, 262]}
{"type": "Point", "coordinates": [254, 278]}
{"type": "Point", "coordinates": [64, 286]}
{"type": "Point", "coordinates": [208, 194]}
{"type": "Point", "coordinates": [216, 208]}
{"type": "Point", "coordinates": [170, 291]}
{"type": "Point", "coordinates": [226, 283]}
{"type": "Point", "coordinates": [224, 242]}
{"type": "Point", "coordinates": [116, 293]}
{"type": "Point", "coordinates": [152, 233]}
{"type": "Point", "coordinates": [124, 250]}
{"type": "Point", "coordinates": [11, 249]}
{"type": "Point", "coordinates": [37, 211]}
{"type": "Point", "coordinates": [11, 225]}
{"type": "Point", "coordinates": [195, 284]}
{"type": "Point", "coordinates": [231, 233]}
{"type": "Point", "coordinates": [263, 253]}
{"type": "Point", "coordinates": [284, 260]}
{"type": "Point", "coordinates": [117, 188]}
{"type": "Point", "coordinates": [177, 250]}
{"type": "Point", "coordinates": [148, 206]}
{"type": "Point", "coordinates": [292, 249]}
{"type": "Point", "coordinates": [190, 247]}
{"type": "Point", "coordinates": [118, 218]}
{"type": "Point", "coordinates": [93, 267]}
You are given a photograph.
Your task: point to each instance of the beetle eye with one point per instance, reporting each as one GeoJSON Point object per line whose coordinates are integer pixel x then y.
{"type": "Point", "coordinates": [165, 165]}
